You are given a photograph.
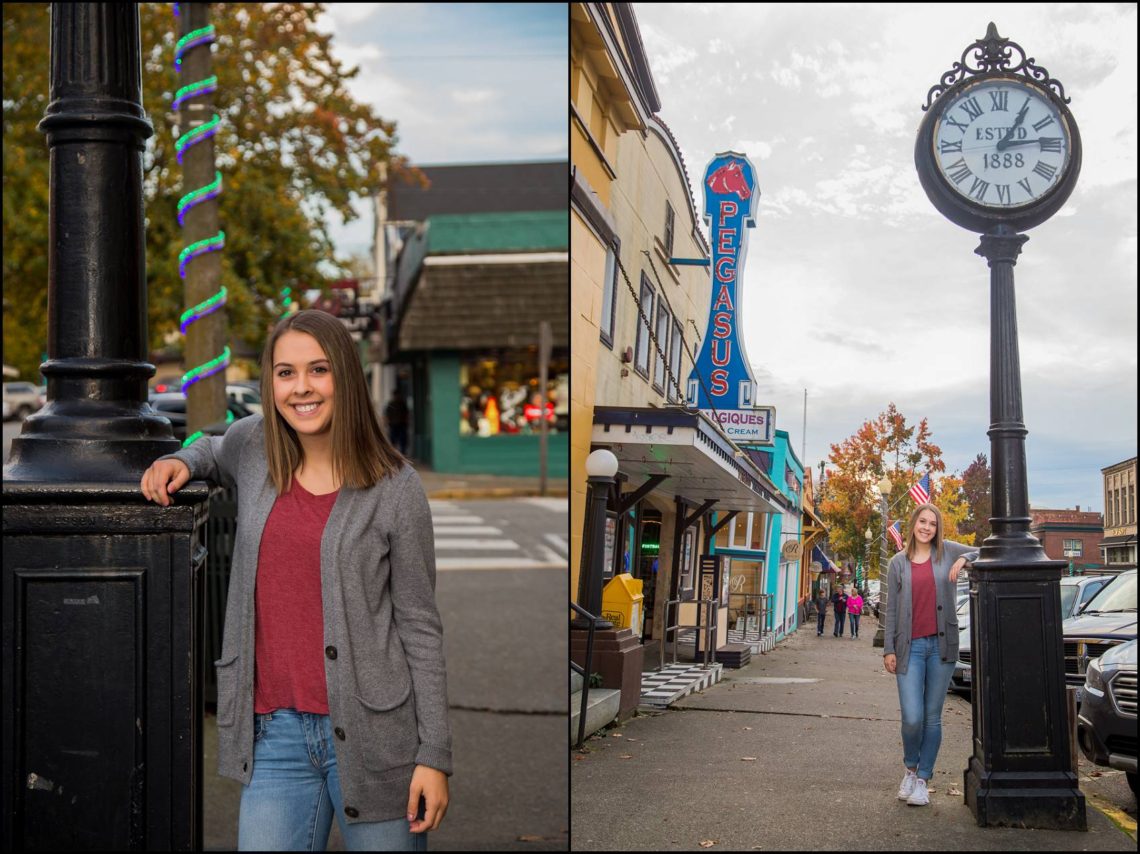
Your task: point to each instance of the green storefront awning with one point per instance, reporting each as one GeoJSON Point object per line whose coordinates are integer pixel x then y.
{"type": "Point", "coordinates": [525, 231]}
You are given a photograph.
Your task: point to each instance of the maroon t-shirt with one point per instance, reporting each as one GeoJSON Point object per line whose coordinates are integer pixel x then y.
{"type": "Point", "coordinates": [923, 600]}
{"type": "Point", "coordinates": [289, 652]}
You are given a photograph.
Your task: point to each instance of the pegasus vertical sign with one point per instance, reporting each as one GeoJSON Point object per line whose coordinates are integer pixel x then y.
{"type": "Point", "coordinates": [721, 384]}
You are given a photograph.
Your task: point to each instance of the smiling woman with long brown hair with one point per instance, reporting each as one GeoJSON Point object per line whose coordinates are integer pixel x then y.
{"type": "Point", "coordinates": [920, 641]}
{"type": "Point", "coordinates": [332, 695]}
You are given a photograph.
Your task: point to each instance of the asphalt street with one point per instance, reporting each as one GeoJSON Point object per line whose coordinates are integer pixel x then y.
{"type": "Point", "coordinates": [801, 750]}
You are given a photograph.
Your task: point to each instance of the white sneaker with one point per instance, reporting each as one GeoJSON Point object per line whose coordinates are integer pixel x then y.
{"type": "Point", "coordinates": [907, 786]}
{"type": "Point", "coordinates": [919, 797]}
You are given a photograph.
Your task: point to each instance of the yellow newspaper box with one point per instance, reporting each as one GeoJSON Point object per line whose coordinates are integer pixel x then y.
{"type": "Point", "coordinates": [622, 603]}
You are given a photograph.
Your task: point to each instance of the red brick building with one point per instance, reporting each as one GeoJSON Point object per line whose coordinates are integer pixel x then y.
{"type": "Point", "coordinates": [1070, 535]}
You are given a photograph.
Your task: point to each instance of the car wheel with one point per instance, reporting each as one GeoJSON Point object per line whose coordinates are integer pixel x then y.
{"type": "Point", "coordinates": [23, 412]}
{"type": "Point", "coordinates": [1131, 781]}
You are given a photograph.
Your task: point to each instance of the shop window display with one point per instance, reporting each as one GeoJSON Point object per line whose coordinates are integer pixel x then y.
{"type": "Point", "coordinates": [500, 394]}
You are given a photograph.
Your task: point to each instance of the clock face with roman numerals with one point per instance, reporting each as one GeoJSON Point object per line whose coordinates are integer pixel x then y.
{"type": "Point", "coordinates": [1001, 144]}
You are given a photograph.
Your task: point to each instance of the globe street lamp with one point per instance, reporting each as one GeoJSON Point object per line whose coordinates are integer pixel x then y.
{"type": "Point", "coordinates": [601, 466]}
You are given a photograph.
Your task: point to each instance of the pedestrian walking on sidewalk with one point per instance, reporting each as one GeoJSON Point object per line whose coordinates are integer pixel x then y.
{"type": "Point", "coordinates": [839, 603]}
{"type": "Point", "coordinates": [332, 695]}
{"type": "Point", "coordinates": [820, 611]}
{"type": "Point", "coordinates": [854, 611]}
{"type": "Point", "coordinates": [920, 641]}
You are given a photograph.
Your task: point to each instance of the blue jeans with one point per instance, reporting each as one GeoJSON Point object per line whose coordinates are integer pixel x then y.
{"type": "Point", "coordinates": [820, 617]}
{"type": "Point", "coordinates": [839, 624]}
{"type": "Point", "coordinates": [922, 692]}
{"type": "Point", "coordinates": [295, 791]}
{"type": "Point", "coordinates": [854, 618]}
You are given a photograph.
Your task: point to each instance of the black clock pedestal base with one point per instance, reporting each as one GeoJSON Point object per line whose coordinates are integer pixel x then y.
{"type": "Point", "coordinates": [1043, 800]}
{"type": "Point", "coordinates": [1022, 771]}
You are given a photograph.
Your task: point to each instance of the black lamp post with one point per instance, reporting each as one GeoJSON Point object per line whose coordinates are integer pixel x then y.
{"type": "Point", "coordinates": [997, 153]}
{"type": "Point", "coordinates": [601, 466]}
{"type": "Point", "coordinates": [102, 593]}
{"type": "Point", "coordinates": [884, 488]}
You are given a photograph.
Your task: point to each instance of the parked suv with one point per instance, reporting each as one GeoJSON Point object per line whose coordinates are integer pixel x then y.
{"type": "Point", "coordinates": [21, 400]}
{"type": "Point", "coordinates": [1109, 619]}
{"type": "Point", "coordinates": [1106, 725]}
{"type": "Point", "coordinates": [172, 406]}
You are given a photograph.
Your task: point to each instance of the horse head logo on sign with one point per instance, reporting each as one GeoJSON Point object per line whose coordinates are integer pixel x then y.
{"type": "Point", "coordinates": [729, 179]}
{"type": "Point", "coordinates": [722, 385]}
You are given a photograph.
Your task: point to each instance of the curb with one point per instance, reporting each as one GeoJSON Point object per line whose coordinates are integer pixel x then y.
{"type": "Point", "coordinates": [494, 492]}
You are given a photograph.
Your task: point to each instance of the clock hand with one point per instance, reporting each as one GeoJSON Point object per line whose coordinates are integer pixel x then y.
{"type": "Point", "coordinates": [1012, 143]}
{"type": "Point", "coordinates": [1004, 141]}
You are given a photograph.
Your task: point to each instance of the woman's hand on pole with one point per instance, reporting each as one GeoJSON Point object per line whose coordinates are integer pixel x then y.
{"type": "Point", "coordinates": [163, 478]}
{"type": "Point", "coordinates": [956, 568]}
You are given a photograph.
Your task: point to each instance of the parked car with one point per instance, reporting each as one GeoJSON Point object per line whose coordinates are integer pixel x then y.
{"type": "Point", "coordinates": [1106, 724]}
{"type": "Point", "coordinates": [172, 406]}
{"type": "Point", "coordinates": [1078, 590]}
{"type": "Point", "coordinates": [248, 397]}
{"type": "Point", "coordinates": [962, 680]}
{"type": "Point", "coordinates": [1108, 620]}
{"type": "Point", "coordinates": [872, 597]}
{"type": "Point", "coordinates": [21, 400]}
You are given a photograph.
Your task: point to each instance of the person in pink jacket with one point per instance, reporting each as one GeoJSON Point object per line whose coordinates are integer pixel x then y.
{"type": "Point", "coordinates": [854, 611]}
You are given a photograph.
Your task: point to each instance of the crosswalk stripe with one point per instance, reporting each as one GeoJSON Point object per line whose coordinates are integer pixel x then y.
{"type": "Point", "coordinates": [558, 541]}
{"type": "Point", "coordinates": [476, 544]}
{"type": "Point", "coordinates": [466, 529]}
{"type": "Point", "coordinates": [458, 520]}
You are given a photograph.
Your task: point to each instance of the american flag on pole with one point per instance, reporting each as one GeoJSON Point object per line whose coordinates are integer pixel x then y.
{"type": "Point", "coordinates": [896, 535]}
{"type": "Point", "coordinates": [920, 492]}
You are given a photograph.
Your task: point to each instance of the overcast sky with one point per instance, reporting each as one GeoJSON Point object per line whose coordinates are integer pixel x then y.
{"type": "Point", "coordinates": [856, 288]}
{"type": "Point", "coordinates": [465, 82]}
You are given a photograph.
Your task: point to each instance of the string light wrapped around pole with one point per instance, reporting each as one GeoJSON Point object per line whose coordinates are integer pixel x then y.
{"type": "Point", "coordinates": [194, 149]}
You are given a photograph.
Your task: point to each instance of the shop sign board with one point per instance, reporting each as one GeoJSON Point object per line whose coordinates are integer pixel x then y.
{"type": "Point", "coordinates": [721, 384]}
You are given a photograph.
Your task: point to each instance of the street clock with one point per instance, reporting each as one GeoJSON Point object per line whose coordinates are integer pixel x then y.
{"type": "Point", "coordinates": [999, 146]}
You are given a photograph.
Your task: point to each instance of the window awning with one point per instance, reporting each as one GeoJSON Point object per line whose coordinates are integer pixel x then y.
{"type": "Point", "coordinates": [1121, 540]}
{"type": "Point", "coordinates": [700, 464]}
{"type": "Point", "coordinates": [817, 556]}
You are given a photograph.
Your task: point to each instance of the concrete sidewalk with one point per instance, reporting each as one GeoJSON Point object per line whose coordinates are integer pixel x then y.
{"type": "Point", "coordinates": [801, 750]}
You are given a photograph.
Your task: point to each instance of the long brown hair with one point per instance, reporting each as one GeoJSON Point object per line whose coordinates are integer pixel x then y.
{"type": "Point", "coordinates": [361, 453]}
{"type": "Point", "coordinates": [936, 543]}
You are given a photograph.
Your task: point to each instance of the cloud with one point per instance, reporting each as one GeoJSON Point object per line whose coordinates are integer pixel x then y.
{"type": "Point", "coordinates": [475, 96]}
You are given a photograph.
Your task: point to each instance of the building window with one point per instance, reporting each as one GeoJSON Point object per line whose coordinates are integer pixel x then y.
{"type": "Point", "coordinates": [675, 364]}
{"type": "Point", "coordinates": [644, 318]}
{"type": "Point", "coordinates": [1073, 548]}
{"type": "Point", "coordinates": [1131, 505]}
{"type": "Point", "coordinates": [668, 230]}
{"type": "Point", "coordinates": [499, 393]}
{"type": "Point", "coordinates": [609, 295]}
{"type": "Point", "coordinates": [1116, 506]}
{"type": "Point", "coordinates": [660, 349]}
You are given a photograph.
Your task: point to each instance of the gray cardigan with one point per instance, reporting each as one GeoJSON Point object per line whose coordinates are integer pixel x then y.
{"type": "Point", "coordinates": [896, 627]}
{"type": "Point", "coordinates": [383, 637]}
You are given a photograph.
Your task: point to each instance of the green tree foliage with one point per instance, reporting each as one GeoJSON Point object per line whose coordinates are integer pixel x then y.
{"type": "Point", "coordinates": [293, 146]}
{"type": "Point", "coordinates": [976, 489]}
{"type": "Point", "coordinates": [884, 445]}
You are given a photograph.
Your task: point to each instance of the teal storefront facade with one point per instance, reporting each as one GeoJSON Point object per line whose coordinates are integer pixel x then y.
{"type": "Point", "coordinates": [774, 575]}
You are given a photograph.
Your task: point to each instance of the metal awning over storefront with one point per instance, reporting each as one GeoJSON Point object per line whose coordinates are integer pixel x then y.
{"type": "Point", "coordinates": [699, 463]}
{"type": "Point", "coordinates": [1121, 540]}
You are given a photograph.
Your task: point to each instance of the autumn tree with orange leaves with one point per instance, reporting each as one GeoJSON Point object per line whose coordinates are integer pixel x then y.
{"type": "Point", "coordinates": [850, 504]}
